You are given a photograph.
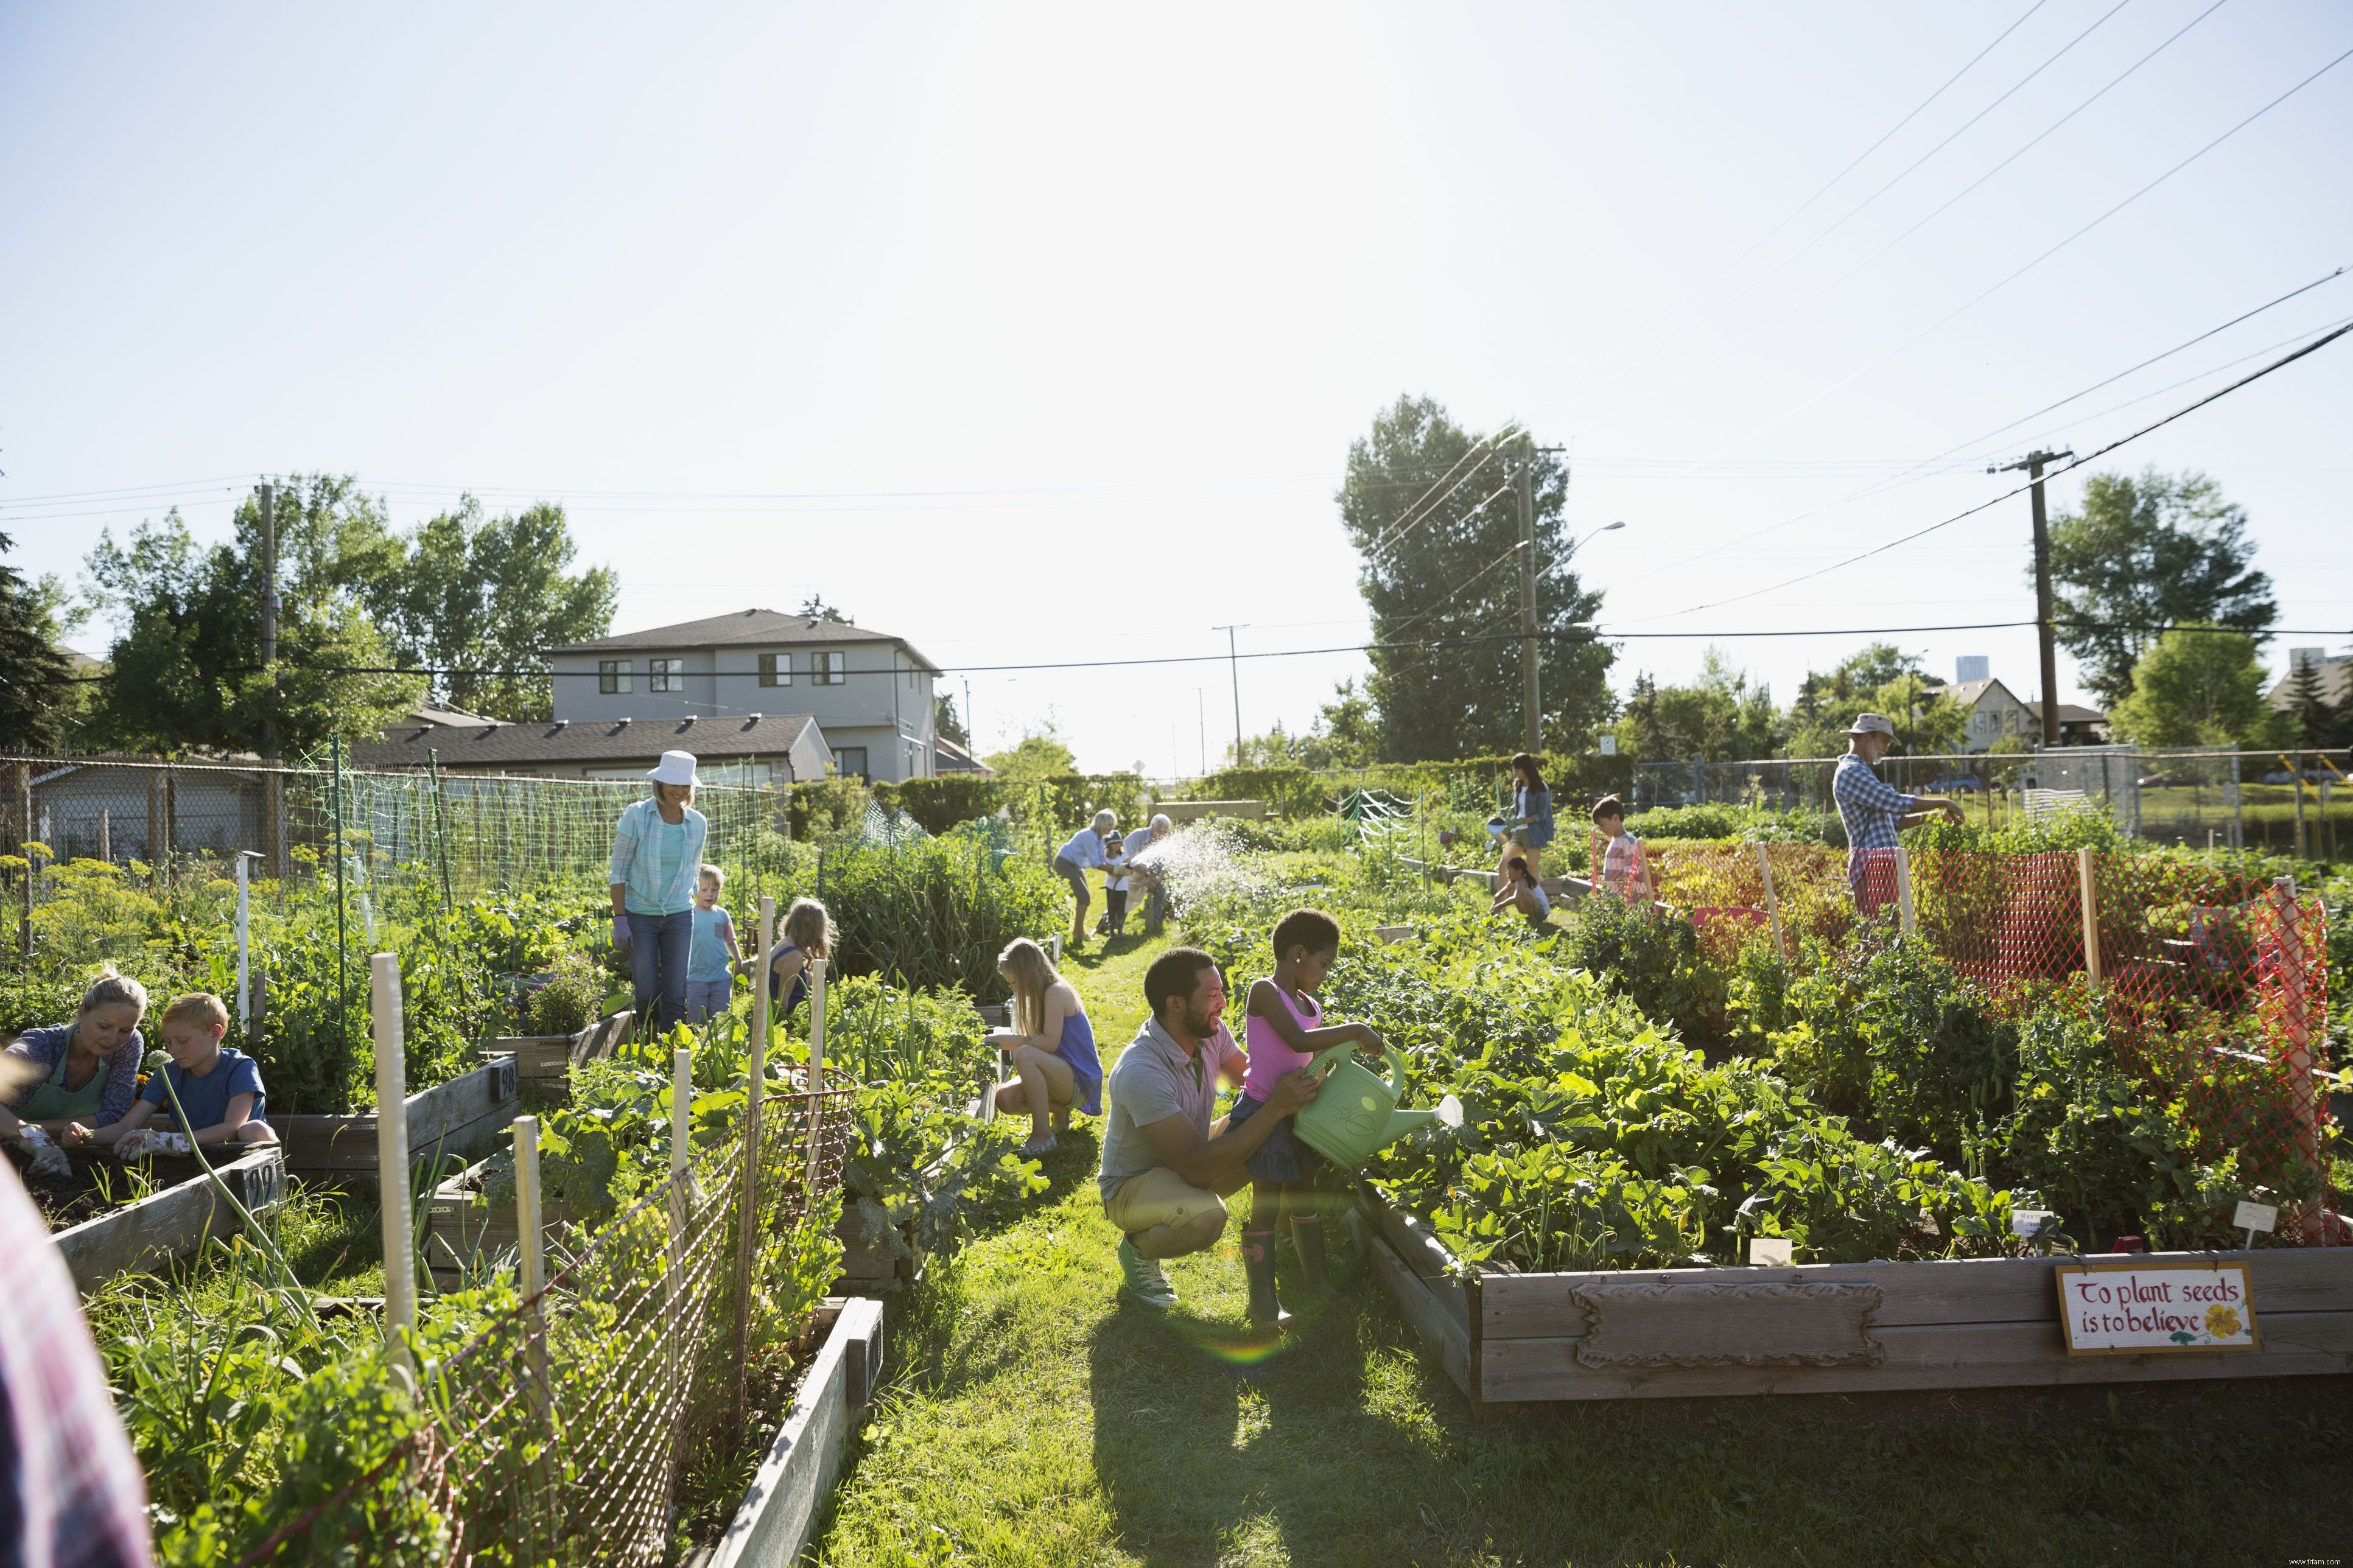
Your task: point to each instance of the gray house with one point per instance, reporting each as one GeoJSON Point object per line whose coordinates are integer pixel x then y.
{"type": "Point", "coordinates": [868, 692]}
{"type": "Point", "coordinates": [763, 751]}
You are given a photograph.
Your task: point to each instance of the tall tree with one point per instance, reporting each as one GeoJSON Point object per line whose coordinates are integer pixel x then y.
{"type": "Point", "coordinates": [2200, 688]}
{"type": "Point", "coordinates": [1436, 532]}
{"type": "Point", "coordinates": [36, 697]}
{"type": "Point", "coordinates": [1879, 678]}
{"type": "Point", "coordinates": [482, 597]}
{"type": "Point", "coordinates": [947, 723]}
{"type": "Point", "coordinates": [817, 609]}
{"type": "Point", "coordinates": [2157, 551]}
{"type": "Point", "coordinates": [1036, 756]}
{"type": "Point", "coordinates": [187, 669]}
{"type": "Point", "coordinates": [2315, 719]}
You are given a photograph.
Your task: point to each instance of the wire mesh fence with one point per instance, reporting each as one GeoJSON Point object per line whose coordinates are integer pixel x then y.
{"type": "Point", "coordinates": [2296, 802]}
{"type": "Point", "coordinates": [567, 1429]}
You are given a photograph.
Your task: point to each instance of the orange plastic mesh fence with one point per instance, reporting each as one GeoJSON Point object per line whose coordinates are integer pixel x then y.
{"type": "Point", "coordinates": [559, 1432]}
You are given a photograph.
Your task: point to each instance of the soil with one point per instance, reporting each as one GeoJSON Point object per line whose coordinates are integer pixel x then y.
{"type": "Point", "coordinates": [99, 1184]}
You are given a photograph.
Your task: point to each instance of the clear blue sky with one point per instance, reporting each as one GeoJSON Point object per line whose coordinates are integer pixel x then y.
{"type": "Point", "coordinates": [1040, 334]}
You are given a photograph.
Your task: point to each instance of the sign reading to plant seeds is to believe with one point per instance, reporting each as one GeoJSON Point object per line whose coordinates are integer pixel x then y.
{"type": "Point", "coordinates": [2123, 1308]}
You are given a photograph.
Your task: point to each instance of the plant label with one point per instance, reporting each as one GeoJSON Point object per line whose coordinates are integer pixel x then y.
{"type": "Point", "coordinates": [2254, 1216]}
{"type": "Point", "coordinates": [2125, 1309]}
{"type": "Point", "coordinates": [1768, 1251]}
{"type": "Point", "coordinates": [2027, 1223]}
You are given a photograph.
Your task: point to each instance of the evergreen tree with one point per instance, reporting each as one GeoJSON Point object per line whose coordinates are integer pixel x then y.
{"type": "Point", "coordinates": [36, 692]}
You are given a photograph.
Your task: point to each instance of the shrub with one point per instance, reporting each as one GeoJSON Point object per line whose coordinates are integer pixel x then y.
{"type": "Point", "coordinates": [570, 1000]}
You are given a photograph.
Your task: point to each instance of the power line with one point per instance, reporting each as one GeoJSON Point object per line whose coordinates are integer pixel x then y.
{"type": "Point", "coordinates": [2312, 347]}
{"type": "Point", "coordinates": [1965, 190]}
{"type": "Point", "coordinates": [1828, 185]}
{"type": "Point", "coordinates": [1909, 475]}
{"type": "Point", "coordinates": [2020, 272]}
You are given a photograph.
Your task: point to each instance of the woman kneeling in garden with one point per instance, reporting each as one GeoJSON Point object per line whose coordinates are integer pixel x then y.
{"type": "Point", "coordinates": [1051, 1044]}
{"type": "Point", "coordinates": [73, 1079]}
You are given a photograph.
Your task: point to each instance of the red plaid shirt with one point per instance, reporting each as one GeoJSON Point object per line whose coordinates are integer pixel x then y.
{"type": "Point", "coordinates": [72, 1495]}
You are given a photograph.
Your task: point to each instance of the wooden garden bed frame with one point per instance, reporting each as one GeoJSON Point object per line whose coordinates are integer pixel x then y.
{"type": "Point", "coordinates": [542, 1057]}
{"type": "Point", "coordinates": [1816, 1327]}
{"type": "Point", "coordinates": [453, 1118]}
{"type": "Point", "coordinates": [172, 1222]}
{"type": "Point", "coordinates": [789, 1492]}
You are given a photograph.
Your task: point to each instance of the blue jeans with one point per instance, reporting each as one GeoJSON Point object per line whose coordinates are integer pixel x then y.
{"type": "Point", "coordinates": [659, 945]}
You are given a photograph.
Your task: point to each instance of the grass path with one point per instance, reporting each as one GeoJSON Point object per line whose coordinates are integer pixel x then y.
{"type": "Point", "coordinates": [1034, 1420]}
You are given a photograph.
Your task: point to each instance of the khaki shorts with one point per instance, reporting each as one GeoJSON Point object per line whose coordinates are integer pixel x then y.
{"type": "Point", "coordinates": [1159, 1196]}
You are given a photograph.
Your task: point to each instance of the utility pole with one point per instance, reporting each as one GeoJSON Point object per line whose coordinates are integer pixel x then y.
{"type": "Point", "coordinates": [273, 787]}
{"type": "Point", "coordinates": [1233, 663]}
{"type": "Point", "coordinates": [1201, 722]}
{"type": "Point", "coordinates": [2032, 463]}
{"type": "Point", "coordinates": [1531, 680]}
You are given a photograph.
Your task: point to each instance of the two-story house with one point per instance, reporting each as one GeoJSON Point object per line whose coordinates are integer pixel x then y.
{"type": "Point", "coordinates": [1996, 712]}
{"type": "Point", "coordinates": [868, 692]}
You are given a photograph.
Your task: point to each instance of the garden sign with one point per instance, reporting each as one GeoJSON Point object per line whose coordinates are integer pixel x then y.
{"type": "Point", "coordinates": [2124, 1309]}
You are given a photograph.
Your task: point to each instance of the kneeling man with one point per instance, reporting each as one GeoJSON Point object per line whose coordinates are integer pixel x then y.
{"type": "Point", "coordinates": [1163, 1170]}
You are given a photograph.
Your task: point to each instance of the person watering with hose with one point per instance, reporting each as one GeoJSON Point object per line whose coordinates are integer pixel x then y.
{"type": "Point", "coordinates": [1083, 854]}
{"type": "Point", "coordinates": [1873, 811]}
{"type": "Point", "coordinates": [656, 859]}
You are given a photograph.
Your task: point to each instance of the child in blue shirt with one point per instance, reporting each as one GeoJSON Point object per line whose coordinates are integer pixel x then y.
{"type": "Point", "coordinates": [714, 957]}
{"type": "Point", "coordinates": [220, 1087]}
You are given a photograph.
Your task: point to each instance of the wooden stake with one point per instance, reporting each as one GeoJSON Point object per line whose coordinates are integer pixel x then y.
{"type": "Point", "coordinates": [747, 1250]}
{"type": "Point", "coordinates": [531, 1273]}
{"type": "Point", "coordinates": [392, 1162]}
{"type": "Point", "coordinates": [1772, 904]}
{"type": "Point", "coordinates": [816, 1074]}
{"type": "Point", "coordinates": [2296, 1053]}
{"type": "Point", "coordinates": [2087, 875]}
{"type": "Point", "coordinates": [1903, 892]}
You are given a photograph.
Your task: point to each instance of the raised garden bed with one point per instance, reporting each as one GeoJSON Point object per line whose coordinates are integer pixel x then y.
{"type": "Point", "coordinates": [540, 1058]}
{"type": "Point", "coordinates": [780, 1510]}
{"type": "Point", "coordinates": [874, 1265]}
{"type": "Point", "coordinates": [460, 1224]}
{"type": "Point", "coordinates": [175, 1221]}
{"type": "Point", "coordinates": [453, 1118]}
{"type": "Point", "coordinates": [1816, 1327]}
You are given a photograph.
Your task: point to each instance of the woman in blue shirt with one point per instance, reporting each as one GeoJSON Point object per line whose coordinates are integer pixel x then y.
{"type": "Point", "coordinates": [656, 859]}
{"type": "Point", "coordinates": [1529, 828]}
{"type": "Point", "coordinates": [1083, 854]}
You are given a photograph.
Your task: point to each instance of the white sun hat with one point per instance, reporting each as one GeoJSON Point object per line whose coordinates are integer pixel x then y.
{"type": "Point", "coordinates": [675, 768]}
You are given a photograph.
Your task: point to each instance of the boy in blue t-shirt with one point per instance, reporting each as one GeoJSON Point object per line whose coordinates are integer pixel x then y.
{"type": "Point", "coordinates": [714, 957]}
{"type": "Point", "coordinates": [219, 1085]}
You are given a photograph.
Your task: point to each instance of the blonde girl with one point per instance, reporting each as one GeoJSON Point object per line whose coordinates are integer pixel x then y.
{"type": "Point", "coordinates": [808, 933]}
{"type": "Point", "coordinates": [1051, 1044]}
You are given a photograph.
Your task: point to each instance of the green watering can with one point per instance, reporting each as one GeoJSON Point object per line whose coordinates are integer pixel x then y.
{"type": "Point", "coordinates": [1353, 1114]}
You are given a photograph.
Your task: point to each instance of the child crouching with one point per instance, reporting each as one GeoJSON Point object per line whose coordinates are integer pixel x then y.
{"type": "Point", "coordinates": [219, 1087]}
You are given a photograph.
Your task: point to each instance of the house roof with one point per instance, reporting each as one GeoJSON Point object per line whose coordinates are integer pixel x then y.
{"type": "Point", "coordinates": [2071, 713]}
{"type": "Point", "coordinates": [950, 758]}
{"type": "Point", "coordinates": [449, 718]}
{"type": "Point", "coordinates": [1969, 693]}
{"type": "Point", "coordinates": [744, 628]}
{"type": "Point", "coordinates": [582, 740]}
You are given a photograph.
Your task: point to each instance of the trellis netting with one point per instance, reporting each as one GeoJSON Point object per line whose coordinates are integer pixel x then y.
{"type": "Point", "coordinates": [2215, 982]}
{"type": "Point", "coordinates": [564, 1430]}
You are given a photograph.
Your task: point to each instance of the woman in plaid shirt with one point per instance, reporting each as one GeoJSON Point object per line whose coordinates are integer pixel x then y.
{"type": "Point", "coordinates": [1873, 811]}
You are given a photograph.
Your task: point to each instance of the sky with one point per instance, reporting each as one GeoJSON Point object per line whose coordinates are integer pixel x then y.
{"type": "Point", "coordinates": [1037, 335]}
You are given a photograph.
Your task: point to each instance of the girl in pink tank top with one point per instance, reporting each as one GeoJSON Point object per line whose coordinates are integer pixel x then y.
{"type": "Point", "coordinates": [1284, 1028]}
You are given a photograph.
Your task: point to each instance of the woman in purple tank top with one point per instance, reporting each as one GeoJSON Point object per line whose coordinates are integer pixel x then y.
{"type": "Point", "coordinates": [1285, 1028]}
{"type": "Point", "coordinates": [1051, 1044]}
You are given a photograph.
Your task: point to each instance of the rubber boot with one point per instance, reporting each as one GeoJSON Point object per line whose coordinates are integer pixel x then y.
{"type": "Point", "coordinates": [1307, 1235]}
{"type": "Point", "coordinates": [1258, 1266]}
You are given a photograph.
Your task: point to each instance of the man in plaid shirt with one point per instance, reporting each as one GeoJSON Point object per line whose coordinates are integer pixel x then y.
{"type": "Point", "coordinates": [1873, 811]}
{"type": "Point", "coordinates": [71, 1492]}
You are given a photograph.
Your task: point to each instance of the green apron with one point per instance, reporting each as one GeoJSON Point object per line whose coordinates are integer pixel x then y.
{"type": "Point", "coordinates": [53, 1101]}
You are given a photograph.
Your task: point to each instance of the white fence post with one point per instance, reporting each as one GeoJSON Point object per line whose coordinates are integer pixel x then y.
{"type": "Point", "coordinates": [244, 985]}
{"type": "Point", "coordinates": [2088, 876]}
{"type": "Point", "coordinates": [1903, 892]}
{"type": "Point", "coordinates": [531, 1272]}
{"type": "Point", "coordinates": [392, 1162]}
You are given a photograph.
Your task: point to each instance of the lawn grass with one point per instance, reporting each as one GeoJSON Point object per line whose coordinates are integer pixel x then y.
{"type": "Point", "coordinates": [1032, 1420]}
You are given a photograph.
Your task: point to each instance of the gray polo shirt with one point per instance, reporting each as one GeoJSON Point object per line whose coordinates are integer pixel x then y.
{"type": "Point", "coordinates": [1154, 1080]}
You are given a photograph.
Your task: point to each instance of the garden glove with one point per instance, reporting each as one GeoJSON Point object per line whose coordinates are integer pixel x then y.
{"type": "Point", "coordinates": [620, 933]}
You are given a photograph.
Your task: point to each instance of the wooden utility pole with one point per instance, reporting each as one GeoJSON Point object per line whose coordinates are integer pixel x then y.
{"type": "Point", "coordinates": [1233, 663]}
{"type": "Point", "coordinates": [1531, 678]}
{"type": "Point", "coordinates": [273, 787]}
{"type": "Point", "coordinates": [2032, 464]}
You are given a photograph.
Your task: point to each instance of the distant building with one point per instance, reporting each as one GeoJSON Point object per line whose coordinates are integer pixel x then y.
{"type": "Point", "coordinates": [758, 750]}
{"type": "Point", "coordinates": [948, 757]}
{"type": "Point", "coordinates": [869, 691]}
{"type": "Point", "coordinates": [1996, 712]}
{"type": "Point", "coordinates": [2336, 677]}
{"type": "Point", "coordinates": [1971, 667]}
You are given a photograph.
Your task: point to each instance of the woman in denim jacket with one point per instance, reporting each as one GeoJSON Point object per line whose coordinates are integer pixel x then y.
{"type": "Point", "coordinates": [658, 852]}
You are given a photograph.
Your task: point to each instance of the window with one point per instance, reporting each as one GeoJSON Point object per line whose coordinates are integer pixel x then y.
{"type": "Point", "coordinates": [612, 676]}
{"type": "Point", "coordinates": [827, 669]}
{"type": "Point", "coordinates": [775, 669]}
{"type": "Point", "coordinates": [848, 762]}
{"type": "Point", "coordinates": [666, 675]}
